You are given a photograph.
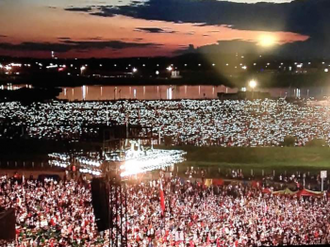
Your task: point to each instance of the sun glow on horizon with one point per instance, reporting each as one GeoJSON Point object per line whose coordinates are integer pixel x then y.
{"type": "Point", "coordinates": [267, 40]}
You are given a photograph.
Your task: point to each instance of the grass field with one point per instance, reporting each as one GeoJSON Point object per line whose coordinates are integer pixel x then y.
{"type": "Point", "coordinates": [277, 158]}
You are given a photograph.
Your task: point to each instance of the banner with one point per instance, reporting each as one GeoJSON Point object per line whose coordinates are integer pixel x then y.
{"type": "Point", "coordinates": [162, 199]}
{"type": "Point", "coordinates": [287, 191]}
{"type": "Point", "coordinates": [306, 192]}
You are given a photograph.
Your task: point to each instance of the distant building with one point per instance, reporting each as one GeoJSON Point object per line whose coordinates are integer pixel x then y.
{"type": "Point", "coordinates": [175, 74]}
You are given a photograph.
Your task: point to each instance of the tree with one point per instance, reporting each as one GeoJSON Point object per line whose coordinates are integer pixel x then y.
{"type": "Point", "coordinates": [289, 141]}
{"type": "Point", "coordinates": [317, 143]}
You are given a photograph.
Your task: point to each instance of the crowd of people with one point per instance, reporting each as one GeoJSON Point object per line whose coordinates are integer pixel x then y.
{"type": "Point", "coordinates": [194, 122]}
{"type": "Point", "coordinates": [50, 213]}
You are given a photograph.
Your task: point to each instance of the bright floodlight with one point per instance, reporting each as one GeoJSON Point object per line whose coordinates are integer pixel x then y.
{"type": "Point", "coordinates": [169, 68]}
{"type": "Point", "coordinates": [151, 160]}
{"type": "Point", "coordinates": [134, 70]}
{"type": "Point", "coordinates": [252, 84]}
{"type": "Point", "coordinates": [267, 40]}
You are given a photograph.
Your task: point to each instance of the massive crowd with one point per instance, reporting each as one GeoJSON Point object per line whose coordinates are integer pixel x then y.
{"type": "Point", "coordinates": [194, 122]}
{"type": "Point", "coordinates": [53, 213]}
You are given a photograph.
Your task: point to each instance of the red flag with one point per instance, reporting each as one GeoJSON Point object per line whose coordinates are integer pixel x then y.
{"type": "Point", "coordinates": [162, 198]}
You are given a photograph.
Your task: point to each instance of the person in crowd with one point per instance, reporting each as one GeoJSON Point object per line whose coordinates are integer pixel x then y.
{"type": "Point", "coordinates": [243, 123]}
{"type": "Point", "coordinates": [51, 213]}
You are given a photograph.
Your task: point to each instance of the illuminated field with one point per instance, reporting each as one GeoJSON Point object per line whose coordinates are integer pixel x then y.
{"type": "Point", "coordinates": [268, 157]}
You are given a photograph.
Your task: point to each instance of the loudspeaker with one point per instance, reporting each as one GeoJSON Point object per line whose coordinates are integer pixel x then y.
{"type": "Point", "coordinates": [100, 201]}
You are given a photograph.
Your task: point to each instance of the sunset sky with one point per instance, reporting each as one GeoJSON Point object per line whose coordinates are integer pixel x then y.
{"type": "Point", "coordinates": [125, 28]}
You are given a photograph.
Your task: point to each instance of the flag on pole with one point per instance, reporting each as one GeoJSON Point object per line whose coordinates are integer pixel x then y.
{"type": "Point", "coordinates": [162, 198]}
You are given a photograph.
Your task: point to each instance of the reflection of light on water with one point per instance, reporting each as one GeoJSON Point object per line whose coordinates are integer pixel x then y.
{"type": "Point", "coordinates": [146, 92]}
{"type": "Point", "coordinates": [169, 93]}
{"type": "Point", "coordinates": [84, 92]}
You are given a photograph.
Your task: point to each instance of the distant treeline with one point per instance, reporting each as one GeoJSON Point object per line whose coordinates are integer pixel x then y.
{"type": "Point", "coordinates": [265, 80]}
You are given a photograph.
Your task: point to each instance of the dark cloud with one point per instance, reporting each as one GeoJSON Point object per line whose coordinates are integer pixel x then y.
{"type": "Point", "coordinates": [256, 16]}
{"type": "Point", "coordinates": [63, 38]}
{"type": "Point", "coordinates": [68, 45]}
{"type": "Point", "coordinates": [222, 47]}
{"type": "Point", "coordinates": [3, 36]}
{"type": "Point", "coordinates": [308, 17]}
{"type": "Point", "coordinates": [79, 9]}
{"type": "Point", "coordinates": [299, 50]}
{"type": "Point", "coordinates": [152, 30]}
{"type": "Point", "coordinates": [103, 14]}
{"type": "Point", "coordinates": [93, 10]}
{"type": "Point", "coordinates": [95, 38]}
{"type": "Point", "coordinates": [190, 33]}
{"type": "Point", "coordinates": [116, 45]}
{"type": "Point", "coordinates": [298, 16]}
{"type": "Point", "coordinates": [32, 46]}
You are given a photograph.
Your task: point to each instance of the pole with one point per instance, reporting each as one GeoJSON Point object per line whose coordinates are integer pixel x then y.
{"type": "Point", "coordinates": [322, 184]}
{"type": "Point", "coordinates": [110, 213]}
{"type": "Point", "coordinates": [116, 215]}
{"type": "Point", "coordinates": [126, 213]}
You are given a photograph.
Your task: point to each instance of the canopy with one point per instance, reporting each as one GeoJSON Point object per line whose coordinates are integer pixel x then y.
{"type": "Point", "coordinates": [218, 182]}
{"type": "Point", "coordinates": [306, 192]}
{"type": "Point", "coordinates": [255, 183]}
{"type": "Point", "coordinates": [266, 190]}
{"type": "Point", "coordinates": [287, 191]}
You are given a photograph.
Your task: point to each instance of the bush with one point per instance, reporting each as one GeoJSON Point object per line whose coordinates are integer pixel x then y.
{"type": "Point", "coordinates": [289, 141]}
{"type": "Point", "coordinates": [317, 143]}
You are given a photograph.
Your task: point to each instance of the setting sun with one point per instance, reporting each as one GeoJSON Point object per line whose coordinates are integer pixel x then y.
{"type": "Point", "coordinates": [267, 40]}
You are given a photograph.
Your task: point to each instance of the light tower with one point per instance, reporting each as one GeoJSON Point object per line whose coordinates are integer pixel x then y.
{"type": "Point", "coordinates": [252, 85]}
